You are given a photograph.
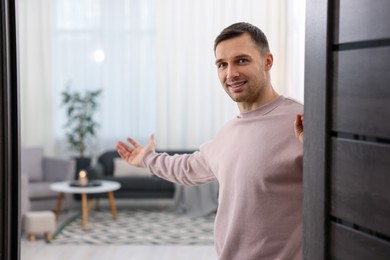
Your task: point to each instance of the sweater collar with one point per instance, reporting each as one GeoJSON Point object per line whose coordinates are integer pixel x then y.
{"type": "Point", "coordinates": [264, 109]}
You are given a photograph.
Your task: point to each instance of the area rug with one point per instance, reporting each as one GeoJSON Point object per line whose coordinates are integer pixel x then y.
{"type": "Point", "coordinates": [136, 227]}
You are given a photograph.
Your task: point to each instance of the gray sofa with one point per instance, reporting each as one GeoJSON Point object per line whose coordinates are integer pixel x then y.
{"type": "Point", "coordinates": [135, 187]}
{"type": "Point", "coordinates": [38, 172]}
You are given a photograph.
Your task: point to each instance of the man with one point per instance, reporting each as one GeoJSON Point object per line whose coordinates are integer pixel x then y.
{"type": "Point", "coordinates": [255, 157]}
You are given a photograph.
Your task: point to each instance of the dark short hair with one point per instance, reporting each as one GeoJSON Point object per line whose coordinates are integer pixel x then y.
{"type": "Point", "coordinates": [238, 29]}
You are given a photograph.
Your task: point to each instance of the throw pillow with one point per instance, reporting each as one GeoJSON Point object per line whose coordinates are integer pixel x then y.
{"type": "Point", "coordinates": [123, 169]}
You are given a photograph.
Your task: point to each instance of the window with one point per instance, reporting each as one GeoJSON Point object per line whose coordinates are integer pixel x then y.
{"type": "Point", "coordinates": [109, 45]}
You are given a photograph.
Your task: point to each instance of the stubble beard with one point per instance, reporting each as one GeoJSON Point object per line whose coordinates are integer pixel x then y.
{"type": "Point", "coordinates": [248, 95]}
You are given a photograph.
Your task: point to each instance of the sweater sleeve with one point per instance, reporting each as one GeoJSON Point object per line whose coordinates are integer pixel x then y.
{"type": "Point", "coordinates": [186, 169]}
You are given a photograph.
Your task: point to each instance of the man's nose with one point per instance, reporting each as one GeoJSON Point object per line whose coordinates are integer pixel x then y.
{"type": "Point", "coordinates": [232, 72]}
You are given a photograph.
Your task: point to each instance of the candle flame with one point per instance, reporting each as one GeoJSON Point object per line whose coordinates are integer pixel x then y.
{"type": "Point", "coordinates": [82, 174]}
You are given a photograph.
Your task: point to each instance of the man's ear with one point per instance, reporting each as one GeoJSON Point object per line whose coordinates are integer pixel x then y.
{"type": "Point", "coordinates": [269, 61]}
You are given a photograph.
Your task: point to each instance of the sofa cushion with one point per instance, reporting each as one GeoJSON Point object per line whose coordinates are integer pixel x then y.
{"type": "Point", "coordinates": [124, 169]}
{"type": "Point", "coordinates": [38, 190]}
{"type": "Point", "coordinates": [31, 163]}
{"type": "Point", "coordinates": [107, 162]}
{"type": "Point", "coordinates": [141, 183]}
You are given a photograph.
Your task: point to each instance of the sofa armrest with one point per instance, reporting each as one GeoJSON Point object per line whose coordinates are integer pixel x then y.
{"type": "Point", "coordinates": [58, 169]}
{"type": "Point", "coordinates": [25, 203]}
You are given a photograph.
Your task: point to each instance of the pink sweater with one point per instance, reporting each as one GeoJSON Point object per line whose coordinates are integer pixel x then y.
{"type": "Point", "coordinates": [258, 163]}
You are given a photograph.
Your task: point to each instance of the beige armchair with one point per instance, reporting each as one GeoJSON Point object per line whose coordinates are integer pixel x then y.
{"type": "Point", "coordinates": [39, 171]}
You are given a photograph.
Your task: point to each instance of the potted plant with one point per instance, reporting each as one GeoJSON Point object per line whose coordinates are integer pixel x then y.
{"type": "Point", "coordinates": [80, 126]}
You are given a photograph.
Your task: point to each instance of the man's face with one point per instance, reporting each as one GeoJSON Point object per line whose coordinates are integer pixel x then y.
{"type": "Point", "coordinates": [242, 70]}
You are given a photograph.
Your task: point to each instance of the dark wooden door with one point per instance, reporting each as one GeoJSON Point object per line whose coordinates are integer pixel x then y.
{"type": "Point", "coordinates": [347, 130]}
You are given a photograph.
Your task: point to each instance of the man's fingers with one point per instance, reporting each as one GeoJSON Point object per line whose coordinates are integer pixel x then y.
{"type": "Point", "coordinates": [152, 140]}
{"type": "Point", "coordinates": [298, 120]}
{"type": "Point", "coordinates": [298, 127]}
{"type": "Point", "coordinates": [133, 142]}
{"type": "Point", "coordinates": [123, 146]}
{"type": "Point", "coordinates": [122, 154]}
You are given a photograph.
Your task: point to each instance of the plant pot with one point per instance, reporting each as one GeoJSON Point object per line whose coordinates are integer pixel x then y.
{"type": "Point", "coordinates": [82, 163]}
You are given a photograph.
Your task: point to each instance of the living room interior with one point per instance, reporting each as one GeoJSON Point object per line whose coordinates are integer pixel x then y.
{"type": "Point", "coordinates": [151, 64]}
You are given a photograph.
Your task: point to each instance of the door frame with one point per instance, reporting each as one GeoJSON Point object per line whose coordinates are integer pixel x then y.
{"type": "Point", "coordinates": [318, 42]}
{"type": "Point", "coordinates": [10, 229]}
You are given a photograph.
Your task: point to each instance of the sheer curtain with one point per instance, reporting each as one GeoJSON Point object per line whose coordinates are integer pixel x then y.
{"type": "Point", "coordinates": [154, 61]}
{"type": "Point", "coordinates": [35, 74]}
{"type": "Point", "coordinates": [108, 45]}
{"type": "Point", "coordinates": [87, 45]}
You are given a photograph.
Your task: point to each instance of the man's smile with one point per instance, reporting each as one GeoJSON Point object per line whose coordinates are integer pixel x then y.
{"type": "Point", "coordinates": [237, 85]}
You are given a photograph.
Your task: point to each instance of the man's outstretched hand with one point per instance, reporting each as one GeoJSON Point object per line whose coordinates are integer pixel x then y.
{"type": "Point", "coordinates": [134, 152]}
{"type": "Point", "coordinates": [298, 127]}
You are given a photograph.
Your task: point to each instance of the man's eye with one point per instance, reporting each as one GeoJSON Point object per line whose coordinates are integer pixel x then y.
{"type": "Point", "coordinates": [241, 61]}
{"type": "Point", "coordinates": [221, 65]}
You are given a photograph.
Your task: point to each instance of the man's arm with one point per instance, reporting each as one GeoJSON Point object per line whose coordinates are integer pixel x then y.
{"type": "Point", "coordinates": [187, 169]}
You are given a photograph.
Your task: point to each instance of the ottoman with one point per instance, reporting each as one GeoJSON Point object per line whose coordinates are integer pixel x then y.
{"type": "Point", "coordinates": [39, 222]}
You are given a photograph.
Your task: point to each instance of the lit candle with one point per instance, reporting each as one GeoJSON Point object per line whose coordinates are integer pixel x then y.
{"type": "Point", "coordinates": [83, 180]}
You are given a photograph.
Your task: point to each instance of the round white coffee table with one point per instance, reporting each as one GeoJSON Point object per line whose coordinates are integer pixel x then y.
{"type": "Point", "coordinates": [65, 187]}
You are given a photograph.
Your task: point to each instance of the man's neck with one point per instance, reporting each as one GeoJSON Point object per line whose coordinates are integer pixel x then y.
{"type": "Point", "coordinates": [245, 107]}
